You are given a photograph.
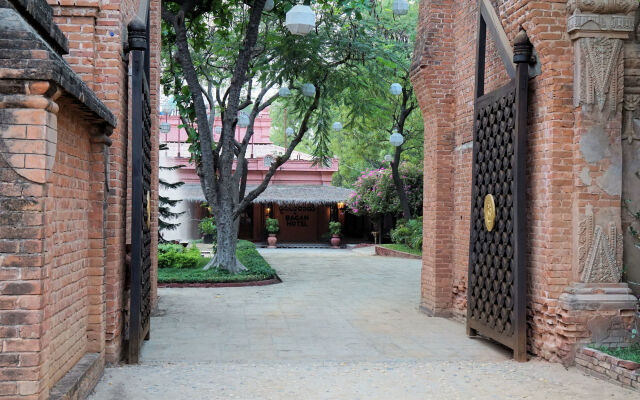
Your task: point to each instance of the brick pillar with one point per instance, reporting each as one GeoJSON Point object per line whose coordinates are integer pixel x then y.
{"type": "Point", "coordinates": [28, 139]}
{"type": "Point", "coordinates": [595, 307]}
{"type": "Point", "coordinates": [96, 329]}
{"type": "Point", "coordinates": [433, 79]}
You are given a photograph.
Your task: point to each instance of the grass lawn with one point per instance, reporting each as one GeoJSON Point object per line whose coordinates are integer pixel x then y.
{"type": "Point", "coordinates": [624, 353]}
{"type": "Point", "coordinates": [257, 269]}
{"type": "Point", "coordinates": [402, 247]}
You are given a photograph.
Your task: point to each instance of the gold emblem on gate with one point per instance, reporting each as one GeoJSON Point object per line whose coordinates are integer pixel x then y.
{"type": "Point", "coordinates": [489, 212]}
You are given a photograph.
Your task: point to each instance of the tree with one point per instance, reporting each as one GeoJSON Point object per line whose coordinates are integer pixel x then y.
{"type": "Point", "coordinates": [210, 44]}
{"type": "Point", "coordinates": [166, 203]}
{"type": "Point", "coordinates": [373, 113]}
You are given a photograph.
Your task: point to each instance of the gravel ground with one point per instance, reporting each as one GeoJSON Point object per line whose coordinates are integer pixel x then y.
{"type": "Point", "coordinates": [391, 380]}
{"type": "Point", "coordinates": [342, 325]}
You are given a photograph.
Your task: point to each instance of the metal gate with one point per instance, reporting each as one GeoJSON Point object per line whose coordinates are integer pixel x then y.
{"type": "Point", "coordinates": [496, 295]}
{"type": "Point", "coordinates": [140, 266]}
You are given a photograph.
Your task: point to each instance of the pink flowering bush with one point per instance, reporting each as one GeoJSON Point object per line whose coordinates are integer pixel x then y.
{"type": "Point", "coordinates": [375, 193]}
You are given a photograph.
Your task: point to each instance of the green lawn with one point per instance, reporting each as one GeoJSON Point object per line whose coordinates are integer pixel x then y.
{"type": "Point", "coordinates": [257, 269]}
{"type": "Point", "coordinates": [624, 353]}
{"type": "Point", "coordinates": [402, 247]}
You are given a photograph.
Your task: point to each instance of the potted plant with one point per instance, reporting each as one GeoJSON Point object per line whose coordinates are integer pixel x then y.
{"type": "Point", "coordinates": [273, 227]}
{"type": "Point", "coordinates": [334, 228]}
{"type": "Point", "coordinates": [208, 228]}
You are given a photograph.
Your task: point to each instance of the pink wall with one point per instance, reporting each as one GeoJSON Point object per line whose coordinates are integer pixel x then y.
{"type": "Point", "coordinates": [297, 171]}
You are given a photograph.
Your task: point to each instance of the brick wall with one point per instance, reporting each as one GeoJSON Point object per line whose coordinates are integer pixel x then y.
{"type": "Point", "coordinates": [551, 150]}
{"type": "Point", "coordinates": [601, 365]}
{"type": "Point", "coordinates": [96, 53]}
{"type": "Point", "coordinates": [62, 234]}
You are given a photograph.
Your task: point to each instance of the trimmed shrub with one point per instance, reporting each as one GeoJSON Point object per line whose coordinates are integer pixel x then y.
{"type": "Point", "coordinates": [408, 234]}
{"type": "Point", "coordinates": [179, 258]}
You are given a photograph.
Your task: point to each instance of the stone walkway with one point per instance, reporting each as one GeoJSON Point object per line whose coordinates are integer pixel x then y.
{"type": "Point", "coordinates": [343, 325]}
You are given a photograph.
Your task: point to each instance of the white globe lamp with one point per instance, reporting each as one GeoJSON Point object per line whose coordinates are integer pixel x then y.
{"type": "Point", "coordinates": [395, 89]}
{"type": "Point", "coordinates": [268, 5]}
{"type": "Point", "coordinates": [300, 20]}
{"type": "Point", "coordinates": [400, 7]}
{"type": "Point", "coordinates": [243, 120]}
{"type": "Point", "coordinates": [165, 127]}
{"type": "Point", "coordinates": [396, 139]}
{"type": "Point", "coordinates": [284, 92]}
{"type": "Point", "coordinates": [337, 126]}
{"type": "Point", "coordinates": [308, 90]}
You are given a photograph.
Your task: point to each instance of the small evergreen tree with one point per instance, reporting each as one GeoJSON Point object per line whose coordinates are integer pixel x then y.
{"type": "Point", "coordinates": [165, 204]}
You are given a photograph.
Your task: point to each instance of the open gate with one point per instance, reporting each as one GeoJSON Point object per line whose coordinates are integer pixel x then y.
{"type": "Point", "coordinates": [496, 295]}
{"type": "Point", "coordinates": [140, 266]}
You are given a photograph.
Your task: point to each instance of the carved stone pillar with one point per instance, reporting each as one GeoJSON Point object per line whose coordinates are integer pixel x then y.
{"type": "Point", "coordinates": [596, 307]}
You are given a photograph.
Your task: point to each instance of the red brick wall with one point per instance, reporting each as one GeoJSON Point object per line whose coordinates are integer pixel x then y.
{"type": "Point", "coordinates": [95, 37]}
{"type": "Point", "coordinates": [447, 151]}
{"type": "Point", "coordinates": [68, 205]}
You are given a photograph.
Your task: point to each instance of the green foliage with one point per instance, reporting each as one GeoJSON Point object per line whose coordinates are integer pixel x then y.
{"type": "Point", "coordinates": [408, 234]}
{"type": "Point", "coordinates": [170, 256]}
{"type": "Point", "coordinates": [208, 226]}
{"type": "Point", "coordinates": [272, 225]}
{"type": "Point", "coordinates": [335, 227]}
{"type": "Point", "coordinates": [375, 193]}
{"type": "Point", "coordinates": [257, 269]}
{"type": "Point", "coordinates": [631, 353]}
{"type": "Point", "coordinates": [170, 247]}
{"type": "Point", "coordinates": [403, 248]}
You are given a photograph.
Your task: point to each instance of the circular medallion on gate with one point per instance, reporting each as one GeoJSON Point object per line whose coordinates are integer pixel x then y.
{"type": "Point", "coordinates": [489, 212]}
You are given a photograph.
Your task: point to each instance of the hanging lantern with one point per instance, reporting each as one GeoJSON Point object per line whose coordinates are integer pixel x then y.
{"type": "Point", "coordinates": [243, 120]}
{"type": "Point", "coordinates": [284, 92]}
{"type": "Point", "coordinates": [400, 7]}
{"type": "Point", "coordinates": [218, 130]}
{"type": "Point", "coordinates": [165, 127]}
{"type": "Point", "coordinates": [289, 131]}
{"type": "Point", "coordinates": [396, 139]}
{"type": "Point", "coordinates": [300, 20]}
{"type": "Point", "coordinates": [337, 126]}
{"type": "Point", "coordinates": [269, 4]}
{"type": "Point", "coordinates": [388, 158]}
{"type": "Point", "coordinates": [395, 89]}
{"type": "Point", "coordinates": [308, 90]}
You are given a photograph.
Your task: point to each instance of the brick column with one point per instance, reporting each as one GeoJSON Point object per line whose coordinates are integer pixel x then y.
{"type": "Point", "coordinates": [595, 307]}
{"type": "Point", "coordinates": [433, 79]}
{"type": "Point", "coordinates": [28, 139]}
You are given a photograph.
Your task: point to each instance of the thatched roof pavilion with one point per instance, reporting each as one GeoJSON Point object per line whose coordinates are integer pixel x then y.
{"type": "Point", "coordinates": [285, 194]}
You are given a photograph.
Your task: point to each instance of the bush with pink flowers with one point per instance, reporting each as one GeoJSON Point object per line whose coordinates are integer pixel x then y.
{"type": "Point", "coordinates": [375, 193]}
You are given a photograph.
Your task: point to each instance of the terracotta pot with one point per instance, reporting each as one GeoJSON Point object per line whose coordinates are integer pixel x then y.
{"type": "Point", "coordinates": [272, 240]}
{"type": "Point", "coordinates": [335, 241]}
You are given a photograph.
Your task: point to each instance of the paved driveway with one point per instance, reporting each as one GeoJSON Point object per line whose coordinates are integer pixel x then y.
{"type": "Point", "coordinates": [342, 325]}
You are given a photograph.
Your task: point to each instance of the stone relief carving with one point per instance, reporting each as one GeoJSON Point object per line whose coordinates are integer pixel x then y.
{"type": "Point", "coordinates": [599, 65]}
{"type": "Point", "coordinates": [631, 124]}
{"type": "Point", "coordinates": [598, 28]}
{"type": "Point", "coordinates": [599, 253]}
{"type": "Point", "coordinates": [602, 6]}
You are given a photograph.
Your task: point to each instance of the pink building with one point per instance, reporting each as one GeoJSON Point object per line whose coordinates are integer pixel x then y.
{"type": "Point", "coordinates": [299, 195]}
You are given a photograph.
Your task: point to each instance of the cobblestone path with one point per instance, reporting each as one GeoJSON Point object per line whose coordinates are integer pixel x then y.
{"type": "Point", "coordinates": [342, 325]}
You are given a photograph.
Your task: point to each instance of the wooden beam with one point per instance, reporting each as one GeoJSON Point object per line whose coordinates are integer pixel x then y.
{"type": "Point", "coordinates": [499, 36]}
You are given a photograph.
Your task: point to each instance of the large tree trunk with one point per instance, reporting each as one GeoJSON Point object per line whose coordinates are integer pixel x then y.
{"type": "Point", "coordinates": [397, 181]}
{"type": "Point", "coordinates": [225, 256]}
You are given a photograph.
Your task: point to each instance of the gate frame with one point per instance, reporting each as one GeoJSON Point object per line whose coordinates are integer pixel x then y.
{"type": "Point", "coordinates": [522, 57]}
{"type": "Point", "coordinates": [139, 321]}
